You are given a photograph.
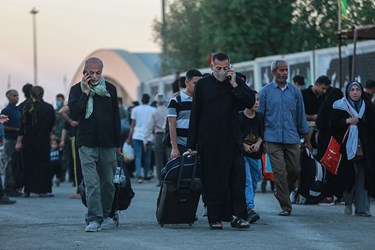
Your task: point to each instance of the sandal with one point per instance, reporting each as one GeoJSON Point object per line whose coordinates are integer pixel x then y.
{"type": "Point", "coordinates": [216, 225]}
{"type": "Point", "coordinates": [284, 213]}
{"type": "Point", "coordinates": [239, 223]}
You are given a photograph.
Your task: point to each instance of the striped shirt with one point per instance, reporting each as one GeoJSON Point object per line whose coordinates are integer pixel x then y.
{"type": "Point", "coordinates": [182, 113]}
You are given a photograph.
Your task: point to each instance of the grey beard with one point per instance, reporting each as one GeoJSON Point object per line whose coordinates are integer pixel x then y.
{"type": "Point", "coordinates": [282, 79]}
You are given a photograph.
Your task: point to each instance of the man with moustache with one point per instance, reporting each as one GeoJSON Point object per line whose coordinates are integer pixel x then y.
{"type": "Point", "coordinates": [93, 102]}
{"type": "Point", "coordinates": [214, 132]}
{"type": "Point", "coordinates": [282, 106]}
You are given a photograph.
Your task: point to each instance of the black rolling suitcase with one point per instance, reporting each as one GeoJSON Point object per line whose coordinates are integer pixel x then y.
{"type": "Point", "coordinates": [178, 199]}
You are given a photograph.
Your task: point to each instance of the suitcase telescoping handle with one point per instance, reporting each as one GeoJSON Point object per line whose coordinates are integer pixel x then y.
{"type": "Point", "coordinates": [183, 157]}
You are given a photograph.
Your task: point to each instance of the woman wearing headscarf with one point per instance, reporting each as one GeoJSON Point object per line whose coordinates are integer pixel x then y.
{"type": "Point", "coordinates": [353, 116]}
{"type": "Point", "coordinates": [38, 119]}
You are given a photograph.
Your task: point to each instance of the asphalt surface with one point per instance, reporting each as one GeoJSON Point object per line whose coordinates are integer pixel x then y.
{"type": "Point", "coordinates": [58, 223]}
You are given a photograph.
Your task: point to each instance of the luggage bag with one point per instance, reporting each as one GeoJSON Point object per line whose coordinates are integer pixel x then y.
{"type": "Point", "coordinates": [178, 199]}
{"type": "Point", "coordinates": [123, 191]}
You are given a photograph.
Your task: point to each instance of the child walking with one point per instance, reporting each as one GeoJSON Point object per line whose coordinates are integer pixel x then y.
{"type": "Point", "coordinates": [252, 129]}
{"type": "Point", "coordinates": [55, 158]}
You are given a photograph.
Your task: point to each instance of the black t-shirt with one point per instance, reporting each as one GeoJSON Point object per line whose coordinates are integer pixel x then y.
{"type": "Point", "coordinates": [251, 130]}
{"type": "Point", "coordinates": [311, 102]}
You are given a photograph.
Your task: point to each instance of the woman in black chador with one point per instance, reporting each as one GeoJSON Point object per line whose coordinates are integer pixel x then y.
{"type": "Point", "coordinates": [38, 119]}
{"type": "Point", "coordinates": [354, 115]}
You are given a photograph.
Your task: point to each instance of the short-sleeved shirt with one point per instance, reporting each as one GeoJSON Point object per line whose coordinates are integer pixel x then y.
{"type": "Point", "coordinates": [182, 113]}
{"type": "Point", "coordinates": [142, 115]}
{"type": "Point", "coordinates": [251, 130]}
{"type": "Point", "coordinates": [14, 116]}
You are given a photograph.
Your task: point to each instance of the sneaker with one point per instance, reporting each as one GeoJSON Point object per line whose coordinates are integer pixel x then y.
{"type": "Point", "coordinates": [252, 216]}
{"type": "Point", "coordinates": [140, 180]}
{"type": "Point", "coordinates": [6, 201]}
{"type": "Point", "coordinates": [107, 223]}
{"type": "Point", "coordinates": [363, 214]}
{"type": "Point", "coordinates": [93, 226]}
{"type": "Point", "coordinates": [348, 209]}
{"type": "Point", "coordinates": [327, 201]}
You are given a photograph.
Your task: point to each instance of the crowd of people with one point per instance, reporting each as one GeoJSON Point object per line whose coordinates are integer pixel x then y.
{"type": "Point", "coordinates": [216, 116]}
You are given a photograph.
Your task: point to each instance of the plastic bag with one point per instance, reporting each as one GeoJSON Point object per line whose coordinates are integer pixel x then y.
{"type": "Point", "coordinates": [119, 177]}
{"type": "Point", "coordinates": [128, 152]}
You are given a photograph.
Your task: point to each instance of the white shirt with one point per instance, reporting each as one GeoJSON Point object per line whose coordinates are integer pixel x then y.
{"type": "Point", "coordinates": [142, 115]}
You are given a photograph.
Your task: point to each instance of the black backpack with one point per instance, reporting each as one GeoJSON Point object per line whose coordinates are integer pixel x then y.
{"type": "Point", "coordinates": [167, 137]}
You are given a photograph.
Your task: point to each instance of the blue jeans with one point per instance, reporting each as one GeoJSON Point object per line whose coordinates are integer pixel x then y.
{"type": "Point", "coordinates": [253, 169]}
{"type": "Point", "coordinates": [139, 153]}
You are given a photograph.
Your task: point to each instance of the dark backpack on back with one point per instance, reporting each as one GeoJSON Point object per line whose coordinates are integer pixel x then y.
{"type": "Point", "coordinates": [167, 137]}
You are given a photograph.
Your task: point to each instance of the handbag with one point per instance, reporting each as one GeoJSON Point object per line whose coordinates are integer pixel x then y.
{"type": "Point", "coordinates": [332, 157]}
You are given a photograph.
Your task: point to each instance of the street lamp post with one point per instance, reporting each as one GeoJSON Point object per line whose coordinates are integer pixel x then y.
{"type": "Point", "coordinates": [34, 12]}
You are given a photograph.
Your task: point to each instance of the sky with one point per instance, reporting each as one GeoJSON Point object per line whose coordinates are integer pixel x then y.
{"type": "Point", "coordinates": [67, 32]}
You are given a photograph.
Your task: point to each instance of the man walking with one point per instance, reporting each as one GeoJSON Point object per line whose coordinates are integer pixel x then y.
{"type": "Point", "coordinates": [156, 127]}
{"type": "Point", "coordinates": [214, 131]}
{"type": "Point", "coordinates": [93, 102]}
{"type": "Point", "coordinates": [141, 118]}
{"type": "Point", "coordinates": [281, 103]}
{"type": "Point", "coordinates": [179, 109]}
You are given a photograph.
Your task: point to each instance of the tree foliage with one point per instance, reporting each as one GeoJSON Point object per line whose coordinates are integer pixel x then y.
{"type": "Point", "coordinates": [182, 35]}
{"type": "Point", "coordinates": [247, 29]}
{"type": "Point", "coordinates": [315, 22]}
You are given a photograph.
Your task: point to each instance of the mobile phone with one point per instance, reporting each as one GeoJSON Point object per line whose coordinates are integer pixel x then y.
{"type": "Point", "coordinates": [229, 67]}
{"type": "Point", "coordinates": [86, 73]}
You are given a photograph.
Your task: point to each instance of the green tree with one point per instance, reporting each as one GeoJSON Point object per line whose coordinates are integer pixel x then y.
{"type": "Point", "coordinates": [245, 29]}
{"type": "Point", "coordinates": [182, 36]}
{"type": "Point", "coordinates": [360, 12]}
{"type": "Point", "coordinates": [249, 29]}
{"type": "Point", "coordinates": [315, 22]}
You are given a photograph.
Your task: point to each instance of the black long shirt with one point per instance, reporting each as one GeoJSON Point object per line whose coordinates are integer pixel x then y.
{"type": "Point", "coordinates": [102, 128]}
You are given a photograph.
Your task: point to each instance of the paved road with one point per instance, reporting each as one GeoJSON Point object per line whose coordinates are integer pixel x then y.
{"type": "Point", "coordinates": [58, 223]}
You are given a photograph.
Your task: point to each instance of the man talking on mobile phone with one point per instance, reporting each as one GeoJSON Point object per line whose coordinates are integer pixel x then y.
{"type": "Point", "coordinates": [93, 103]}
{"type": "Point", "coordinates": [214, 132]}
